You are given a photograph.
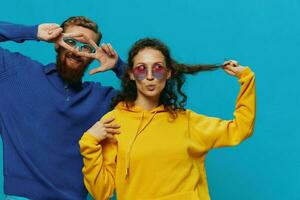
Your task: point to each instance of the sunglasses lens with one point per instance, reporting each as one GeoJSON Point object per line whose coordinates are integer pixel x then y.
{"type": "Point", "coordinates": [87, 48]}
{"type": "Point", "coordinates": [159, 72]}
{"type": "Point", "coordinates": [83, 47]}
{"type": "Point", "coordinates": [70, 41]}
{"type": "Point", "coordinates": [140, 72]}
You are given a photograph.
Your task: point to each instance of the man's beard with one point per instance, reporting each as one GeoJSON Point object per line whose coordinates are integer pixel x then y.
{"type": "Point", "coordinates": [68, 74]}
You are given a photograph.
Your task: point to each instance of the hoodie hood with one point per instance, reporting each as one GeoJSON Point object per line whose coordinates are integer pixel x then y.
{"type": "Point", "coordinates": [137, 109]}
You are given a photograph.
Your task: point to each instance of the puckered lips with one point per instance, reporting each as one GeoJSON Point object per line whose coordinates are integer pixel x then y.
{"type": "Point", "coordinates": [150, 87]}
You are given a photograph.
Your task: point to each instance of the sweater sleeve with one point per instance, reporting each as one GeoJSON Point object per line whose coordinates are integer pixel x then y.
{"type": "Point", "coordinates": [17, 33]}
{"type": "Point", "coordinates": [99, 166]}
{"type": "Point", "coordinates": [119, 68]}
{"type": "Point", "coordinates": [213, 132]}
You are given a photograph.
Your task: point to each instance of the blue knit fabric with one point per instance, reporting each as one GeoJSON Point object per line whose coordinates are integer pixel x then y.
{"type": "Point", "coordinates": [41, 120]}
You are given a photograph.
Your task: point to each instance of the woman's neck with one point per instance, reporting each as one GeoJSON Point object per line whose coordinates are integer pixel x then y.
{"type": "Point", "coordinates": [146, 103]}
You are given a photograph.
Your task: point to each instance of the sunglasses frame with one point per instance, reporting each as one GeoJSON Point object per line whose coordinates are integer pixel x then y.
{"type": "Point", "coordinates": [79, 44]}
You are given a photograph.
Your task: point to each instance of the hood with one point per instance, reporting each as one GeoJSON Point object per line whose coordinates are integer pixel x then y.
{"type": "Point", "coordinates": [138, 109]}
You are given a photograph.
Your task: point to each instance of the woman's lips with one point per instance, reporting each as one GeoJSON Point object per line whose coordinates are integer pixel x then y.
{"type": "Point", "coordinates": [150, 87]}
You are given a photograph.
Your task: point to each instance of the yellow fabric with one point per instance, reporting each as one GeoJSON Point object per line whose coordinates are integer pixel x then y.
{"type": "Point", "coordinates": [158, 158]}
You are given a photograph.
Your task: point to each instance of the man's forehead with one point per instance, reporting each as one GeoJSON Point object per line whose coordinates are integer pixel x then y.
{"type": "Point", "coordinates": [80, 29]}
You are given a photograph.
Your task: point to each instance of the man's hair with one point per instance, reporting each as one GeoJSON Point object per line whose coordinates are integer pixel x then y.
{"type": "Point", "coordinates": [84, 22]}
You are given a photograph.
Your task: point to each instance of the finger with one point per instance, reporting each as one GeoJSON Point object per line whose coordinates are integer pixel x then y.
{"type": "Point", "coordinates": [106, 49]}
{"type": "Point", "coordinates": [56, 32]}
{"type": "Point", "coordinates": [85, 54]}
{"type": "Point", "coordinates": [234, 63]}
{"type": "Point", "coordinates": [92, 42]}
{"type": "Point", "coordinates": [231, 68]}
{"type": "Point", "coordinates": [226, 63]}
{"type": "Point", "coordinates": [112, 50]}
{"type": "Point", "coordinates": [96, 70]}
{"type": "Point", "coordinates": [112, 126]}
{"type": "Point", "coordinates": [107, 120]}
{"type": "Point", "coordinates": [54, 25]}
{"type": "Point", "coordinates": [231, 62]}
{"type": "Point", "coordinates": [87, 39]}
{"type": "Point", "coordinates": [112, 131]}
{"type": "Point", "coordinates": [61, 43]}
{"type": "Point", "coordinates": [51, 28]}
{"type": "Point", "coordinates": [229, 72]}
{"type": "Point", "coordinates": [72, 34]}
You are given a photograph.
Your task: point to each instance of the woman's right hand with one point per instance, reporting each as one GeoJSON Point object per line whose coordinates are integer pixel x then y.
{"type": "Point", "coordinates": [104, 129]}
{"type": "Point", "coordinates": [232, 67]}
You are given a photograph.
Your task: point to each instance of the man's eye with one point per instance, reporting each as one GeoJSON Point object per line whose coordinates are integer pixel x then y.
{"type": "Point", "coordinates": [87, 48]}
{"type": "Point", "coordinates": [70, 42]}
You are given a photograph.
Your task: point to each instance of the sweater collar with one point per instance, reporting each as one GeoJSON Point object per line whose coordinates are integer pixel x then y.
{"type": "Point", "coordinates": [50, 68]}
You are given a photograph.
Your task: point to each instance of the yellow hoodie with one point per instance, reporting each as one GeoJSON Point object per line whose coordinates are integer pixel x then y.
{"type": "Point", "coordinates": [157, 158]}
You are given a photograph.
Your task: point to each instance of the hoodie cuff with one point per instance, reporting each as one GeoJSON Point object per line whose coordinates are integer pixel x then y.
{"type": "Point", "coordinates": [244, 73]}
{"type": "Point", "coordinates": [87, 137]}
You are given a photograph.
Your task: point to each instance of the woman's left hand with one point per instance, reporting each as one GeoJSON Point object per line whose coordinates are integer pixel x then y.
{"type": "Point", "coordinates": [232, 67]}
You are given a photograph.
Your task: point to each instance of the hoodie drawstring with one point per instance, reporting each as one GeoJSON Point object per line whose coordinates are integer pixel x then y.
{"type": "Point", "coordinates": [139, 130]}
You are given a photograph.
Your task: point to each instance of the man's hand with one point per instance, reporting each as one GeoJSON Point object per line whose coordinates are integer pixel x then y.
{"type": "Point", "coordinates": [107, 56]}
{"type": "Point", "coordinates": [49, 32]}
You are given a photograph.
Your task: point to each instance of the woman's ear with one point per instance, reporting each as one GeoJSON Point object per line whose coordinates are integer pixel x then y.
{"type": "Point", "coordinates": [169, 74]}
{"type": "Point", "coordinates": [131, 76]}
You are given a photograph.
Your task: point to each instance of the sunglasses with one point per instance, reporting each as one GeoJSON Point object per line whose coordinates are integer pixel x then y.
{"type": "Point", "coordinates": [82, 47]}
{"type": "Point", "coordinates": [158, 72]}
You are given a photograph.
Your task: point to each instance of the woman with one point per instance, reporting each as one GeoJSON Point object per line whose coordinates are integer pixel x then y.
{"type": "Point", "coordinates": [159, 149]}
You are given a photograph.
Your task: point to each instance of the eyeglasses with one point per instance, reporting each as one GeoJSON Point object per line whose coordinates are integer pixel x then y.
{"type": "Point", "coordinates": [82, 47]}
{"type": "Point", "coordinates": [158, 71]}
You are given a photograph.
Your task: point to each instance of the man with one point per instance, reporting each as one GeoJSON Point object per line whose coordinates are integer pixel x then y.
{"type": "Point", "coordinates": [45, 109]}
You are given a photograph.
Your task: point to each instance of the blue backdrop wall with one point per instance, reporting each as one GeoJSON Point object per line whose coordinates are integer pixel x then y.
{"type": "Point", "coordinates": [264, 34]}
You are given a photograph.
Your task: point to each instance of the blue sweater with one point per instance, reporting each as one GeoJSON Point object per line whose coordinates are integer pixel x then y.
{"type": "Point", "coordinates": [41, 122]}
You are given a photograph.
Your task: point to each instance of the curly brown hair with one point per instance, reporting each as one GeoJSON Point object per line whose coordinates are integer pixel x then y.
{"type": "Point", "coordinates": [172, 96]}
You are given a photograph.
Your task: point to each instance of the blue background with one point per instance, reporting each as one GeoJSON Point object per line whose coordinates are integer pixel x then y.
{"type": "Point", "coordinates": [264, 34]}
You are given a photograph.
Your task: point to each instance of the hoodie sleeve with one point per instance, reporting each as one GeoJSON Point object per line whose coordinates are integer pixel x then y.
{"type": "Point", "coordinates": [213, 132]}
{"type": "Point", "coordinates": [99, 166]}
